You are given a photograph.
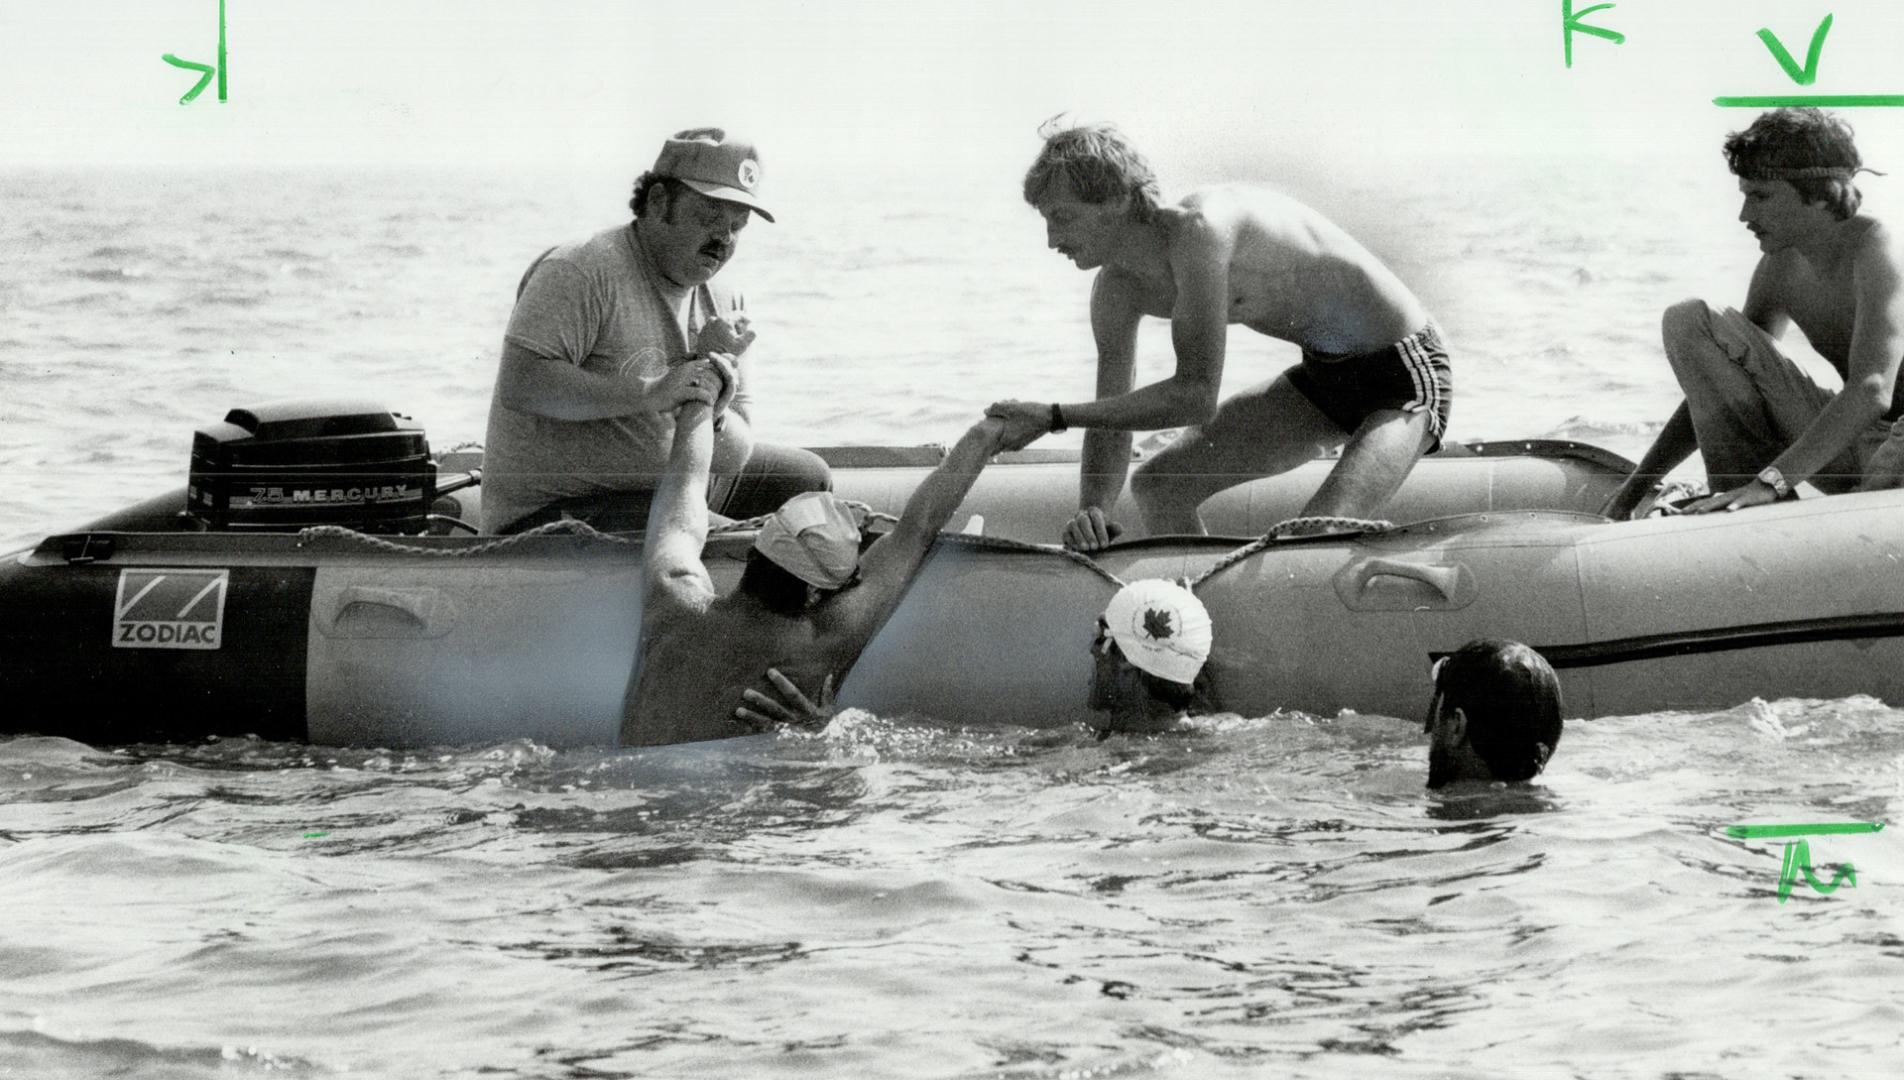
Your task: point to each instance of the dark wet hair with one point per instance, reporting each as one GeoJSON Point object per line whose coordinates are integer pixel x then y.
{"type": "Point", "coordinates": [1511, 698]}
{"type": "Point", "coordinates": [1808, 148]}
{"type": "Point", "coordinates": [1174, 694]}
{"type": "Point", "coordinates": [777, 590]}
{"type": "Point", "coordinates": [1194, 696]}
{"type": "Point", "coordinates": [1100, 163]}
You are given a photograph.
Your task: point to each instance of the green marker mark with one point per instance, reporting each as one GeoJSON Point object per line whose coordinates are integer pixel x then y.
{"type": "Point", "coordinates": [1839, 828]}
{"type": "Point", "coordinates": [1808, 74]}
{"type": "Point", "coordinates": [206, 71]}
{"type": "Point", "coordinates": [1796, 860]}
{"type": "Point", "coordinates": [1818, 101]}
{"type": "Point", "coordinates": [315, 835]}
{"type": "Point", "coordinates": [1805, 76]}
{"type": "Point", "coordinates": [1570, 24]}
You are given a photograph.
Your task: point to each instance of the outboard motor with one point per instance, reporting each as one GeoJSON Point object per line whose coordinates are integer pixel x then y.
{"type": "Point", "coordinates": [288, 465]}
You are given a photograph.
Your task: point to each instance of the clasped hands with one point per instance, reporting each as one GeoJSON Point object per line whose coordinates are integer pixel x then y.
{"type": "Point", "coordinates": [1021, 422]}
{"type": "Point", "coordinates": [711, 374]}
{"type": "Point", "coordinates": [1091, 529]}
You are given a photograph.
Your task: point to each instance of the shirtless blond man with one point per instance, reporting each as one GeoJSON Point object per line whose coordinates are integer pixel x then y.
{"type": "Point", "coordinates": [1761, 424]}
{"type": "Point", "coordinates": [1374, 377]}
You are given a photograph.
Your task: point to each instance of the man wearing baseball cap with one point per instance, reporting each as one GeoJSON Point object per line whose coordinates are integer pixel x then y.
{"type": "Point", "coordinates": [812, 596]}
{"type": "Point", "coordinates": [1152, 641]}
{"type": "Point", "coordinates": [611, 335]}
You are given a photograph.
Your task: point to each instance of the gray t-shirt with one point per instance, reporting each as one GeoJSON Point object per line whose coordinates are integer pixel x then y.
{"type": "Point", "coordinates": [594, 304]}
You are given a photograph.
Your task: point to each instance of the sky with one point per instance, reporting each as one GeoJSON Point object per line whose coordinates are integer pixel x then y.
{"type": "Point", "coordinates": [906, 87]}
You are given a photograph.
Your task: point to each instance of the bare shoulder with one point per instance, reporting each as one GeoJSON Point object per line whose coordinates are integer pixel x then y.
{"type": "Point", "coordinates": [1261, 226]}
{"type": "Point", "coordinates": [844, 625]}
{"type": "Point", "coordinates": [1876, 244]}
{"type": "Point", "coordinates": [1236, 208]}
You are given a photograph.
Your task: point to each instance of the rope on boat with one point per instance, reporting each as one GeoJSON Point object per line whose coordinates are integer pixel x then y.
{"type": "Point", "coordinates": [566, 525]}
{"type": "Point", "coordinates": [999, 543]}
{"type": "Point", "coordinates": [1305, 526]}
{"type": "Point", "coordinates": [571, 526]}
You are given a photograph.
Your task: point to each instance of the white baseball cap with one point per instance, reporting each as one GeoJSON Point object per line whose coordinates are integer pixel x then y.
{"type": "Point", "coordinates": [814, 537]}
{"type": "Point", "coordinates": [716, 164]}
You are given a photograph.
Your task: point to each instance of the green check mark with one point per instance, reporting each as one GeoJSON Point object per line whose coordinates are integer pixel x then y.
{"type": "Point", "coordinates": [1808, 74]}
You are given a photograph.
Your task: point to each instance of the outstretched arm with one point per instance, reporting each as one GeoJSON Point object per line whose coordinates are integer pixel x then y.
{"type": "Point", "coordinates": [1675, 443]}
{"type": "Point", "coordinates": [1198, 329]}
{"type": "Point", "coordinates": [889, 564]}
{"type": "Point", "coordinates": [672, 570]}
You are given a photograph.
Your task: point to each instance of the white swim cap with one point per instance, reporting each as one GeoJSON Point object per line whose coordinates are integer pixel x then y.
{"type": "Point", "coordinates": [814, 537]}
{"type": "Point", "coordinates": [1160, 627]}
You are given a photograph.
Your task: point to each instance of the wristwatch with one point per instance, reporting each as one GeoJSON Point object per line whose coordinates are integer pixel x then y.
{"type": "Point", "coordinates": [1057, 419]}
{"type": "Point", "coordinates": [1772, 478]}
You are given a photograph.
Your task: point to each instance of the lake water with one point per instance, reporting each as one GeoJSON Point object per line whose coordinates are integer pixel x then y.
{"type": "Point", "coordinates": [895, 896]}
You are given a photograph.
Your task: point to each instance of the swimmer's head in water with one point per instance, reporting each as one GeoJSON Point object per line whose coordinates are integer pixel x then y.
{"type": "Point", "coordinates": [1160, 627]}
{"type": "Point", "coordinates": [1495, 714]}
{"type": "Point", "coordinates": [815, 537]}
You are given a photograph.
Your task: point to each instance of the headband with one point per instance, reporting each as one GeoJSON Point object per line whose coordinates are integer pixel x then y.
{"type": "Point", "coordinates": [1812, 172]}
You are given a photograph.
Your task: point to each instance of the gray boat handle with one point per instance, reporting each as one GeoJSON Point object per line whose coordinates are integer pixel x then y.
{"type": "Point", "coordinates": [1442, 579]}
{"type": "Point", "coordinates": [416, 611]}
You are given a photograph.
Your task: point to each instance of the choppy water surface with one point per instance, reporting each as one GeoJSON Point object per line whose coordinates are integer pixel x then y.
{"type": "Point", "coordinates": [894, 897]}
{"type": "Point", "coordinates": [1250, 897]}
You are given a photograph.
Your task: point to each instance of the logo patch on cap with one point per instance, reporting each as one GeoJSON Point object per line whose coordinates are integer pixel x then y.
{"type": "Point", "coordinates": [748, 174]}
{"type": "Point", "coordinates": [1157, 623]}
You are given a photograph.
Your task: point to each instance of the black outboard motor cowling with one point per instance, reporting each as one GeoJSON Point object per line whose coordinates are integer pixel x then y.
{"type": "Point", "coordinates": [288, 465]}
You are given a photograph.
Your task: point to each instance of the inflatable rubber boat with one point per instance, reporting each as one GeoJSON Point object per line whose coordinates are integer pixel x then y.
{"type": "Point", "coordinates": [313, 581]}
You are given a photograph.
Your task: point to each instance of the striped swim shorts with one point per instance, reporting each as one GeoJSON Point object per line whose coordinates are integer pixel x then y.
{"type": "Point", "coordinates": [1412, 375]}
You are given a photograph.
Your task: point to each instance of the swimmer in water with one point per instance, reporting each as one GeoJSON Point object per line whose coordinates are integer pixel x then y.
{"type": "Point", "coordinates": [1494, 716]}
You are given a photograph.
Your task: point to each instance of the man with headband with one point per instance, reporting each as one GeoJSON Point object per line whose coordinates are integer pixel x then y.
{"type": "Point", "coordinates": [1761, 424]}
{"type": "Point", "coordinates": [610, 335]}
{"type": "Point", "coordinates": [1152, 641]}
{"type": "Point", "coordinates": [808, 601]}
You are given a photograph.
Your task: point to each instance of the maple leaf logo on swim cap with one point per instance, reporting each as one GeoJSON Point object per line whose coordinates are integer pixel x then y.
{"type": "Point", "coordinates": [1157, 623]}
